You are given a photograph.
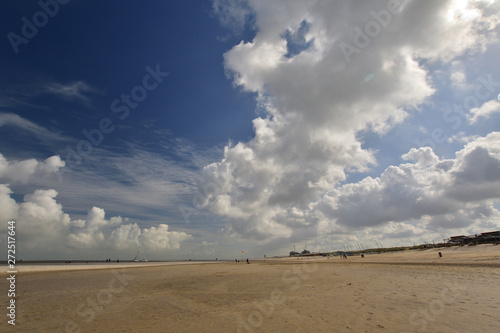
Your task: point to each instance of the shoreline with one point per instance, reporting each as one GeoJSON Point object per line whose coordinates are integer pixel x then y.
{"type": "Point", "coordinates": [478, 256]}
{"type": "Point", "coordinates": [47, 268]}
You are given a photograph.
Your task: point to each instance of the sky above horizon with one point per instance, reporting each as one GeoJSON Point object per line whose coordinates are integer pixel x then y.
{"type": "Point", "coordinates": [204, 129]}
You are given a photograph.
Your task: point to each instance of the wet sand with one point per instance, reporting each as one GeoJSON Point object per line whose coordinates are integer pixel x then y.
{"type": "Point", "coordinates": [411, 291]}
{"type": "Point", "coordinates": [30, 268]}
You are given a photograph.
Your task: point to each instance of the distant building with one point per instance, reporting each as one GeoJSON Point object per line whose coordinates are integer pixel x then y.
{"type": "Point", "coordinates": [315, 254]}
{"type": "Point", "coordinates": [492, 235]}
{"type": "Point", "coordinates": [483, 238]}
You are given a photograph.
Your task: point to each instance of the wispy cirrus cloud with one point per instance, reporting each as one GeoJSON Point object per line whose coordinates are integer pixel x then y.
{"type": "Point", "coordinates": [21, 95]}
{"type": "Point", "coordinates": [74, 91]}
{"type": "Point", "coordinates": [141, 182]}
{"type": "Point", "coordinates": [14, 120]}
{"type": "Point", "coordinates": [232, 14]}
{"type": "Point", "coordinates": [141, 189]}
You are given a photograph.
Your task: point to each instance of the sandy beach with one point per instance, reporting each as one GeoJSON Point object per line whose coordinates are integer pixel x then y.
{"type": "Point", "coordinates": [411, 291]}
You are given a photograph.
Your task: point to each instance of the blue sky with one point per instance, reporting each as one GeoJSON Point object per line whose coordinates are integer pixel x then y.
{"type": "Point", "coordinates": [189, 129]}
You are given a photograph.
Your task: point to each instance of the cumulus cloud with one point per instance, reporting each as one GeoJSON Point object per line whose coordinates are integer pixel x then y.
{"type": "Point", "coordinates": [476, 172]}
{"type": "Point", "coordinates": [23, 171]}
{"type": "Point", "coordinates": [420, 201]}
{"type": "Point", "coordinates": [317, 100]}
{"type": "Point", "coordinates": [484, 111]}
{"type": "Point", "coordinates": [96, 231]}
{"type": "Point", "coordinates": [9, 206]}
{"type": "Point", "coordinates": [44, 228]}
{"type": "Point", "coordinates": [423, 156]}
{"type": "Point", "coordinates": [448, 191]}
{"type": "Point", "coordinates": [160, 238]}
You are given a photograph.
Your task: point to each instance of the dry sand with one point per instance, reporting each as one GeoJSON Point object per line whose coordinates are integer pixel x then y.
{"type": "Point", "coordinates": [413, 291]}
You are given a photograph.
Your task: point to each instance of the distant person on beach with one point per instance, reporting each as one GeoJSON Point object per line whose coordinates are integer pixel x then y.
{"type": "Point", "coordinates": [117, 261]}
{"type": "Point", "coordinates": [248, 261]}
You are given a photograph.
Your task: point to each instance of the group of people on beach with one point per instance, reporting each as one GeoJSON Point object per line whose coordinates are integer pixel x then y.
{"type": "Point", "coordinates": [109, 260]}
{"type": "Point", "coordinates": [237, 261]}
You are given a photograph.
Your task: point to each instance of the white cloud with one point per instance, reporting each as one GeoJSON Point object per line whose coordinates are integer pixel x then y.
{"type": "Point", "coordinates": [41, 222]}
{"type": "Point", "coordinates": [126, 236]}
{"type": "Point", "coordinates": [317, 103]}
{"type": "Point", "coordinates": [45, 229]}
{"type": "Point", "coordinates": [160, 238]}
{"type": "Point", "coordinates": [442, 189]}
{"type": "Point", "coordinates": [458, 77]}
{"type": "Point", "coordinates": [11, 119]}
{"type": "Point", "coordinates": [484, 111]}
{"type": "Point", "coordinates": [423, 156]}
{"type": "Point", "coordinates": [99, 232]}
{"type": "Point", "coordinates": [9, 208]}
{"type": "Point", "coordinates": [23, 171]}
